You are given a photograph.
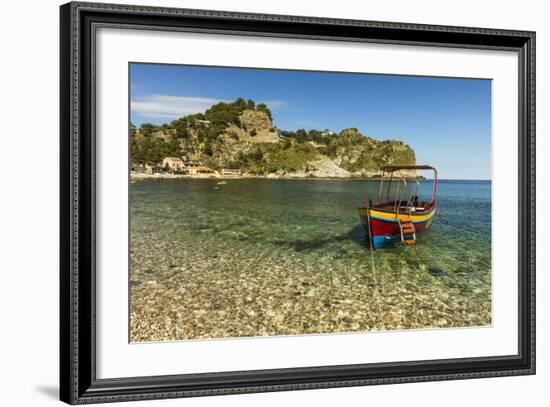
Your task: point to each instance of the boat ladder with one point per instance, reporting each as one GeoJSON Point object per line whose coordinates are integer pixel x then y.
{"type": "Point", "coordinates": [408, 231]}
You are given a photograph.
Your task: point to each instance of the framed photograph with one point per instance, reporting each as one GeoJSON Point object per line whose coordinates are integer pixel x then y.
{"type": "Point", "coordinates": [255, 203]}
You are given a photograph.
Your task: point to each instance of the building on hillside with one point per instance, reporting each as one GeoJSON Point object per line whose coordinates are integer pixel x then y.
{"type": "Point", "coordinates": [230, 172]}
{"type": "Point", "coordinates": [145, 167]}
{"type": "Point", "coordinates": [173, 164]}
{"type": "Point", "coordinates": [152, 169]}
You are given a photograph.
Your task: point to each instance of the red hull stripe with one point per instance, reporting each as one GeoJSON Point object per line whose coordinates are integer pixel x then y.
{"type": "Point", "coordinates": [384, 228]}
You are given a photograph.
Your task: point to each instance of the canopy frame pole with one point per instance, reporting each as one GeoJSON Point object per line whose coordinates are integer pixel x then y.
{"type": "Point", "coordinates": [381, 185]}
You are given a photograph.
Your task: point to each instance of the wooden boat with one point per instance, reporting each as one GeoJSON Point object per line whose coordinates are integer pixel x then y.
{"type": "Point", "coordinates": [397, 215]}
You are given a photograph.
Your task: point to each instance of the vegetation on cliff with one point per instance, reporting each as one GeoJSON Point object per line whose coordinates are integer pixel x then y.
{"type": "Point", "coordinates": [241, 135]}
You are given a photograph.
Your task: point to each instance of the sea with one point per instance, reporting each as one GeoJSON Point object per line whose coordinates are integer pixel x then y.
{"type": "Point", "coordinates": [212, 258]}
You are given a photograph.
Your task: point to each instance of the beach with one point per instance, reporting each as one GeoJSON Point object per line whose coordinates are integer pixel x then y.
{"type": "Point", "coordinates": [137, 176]}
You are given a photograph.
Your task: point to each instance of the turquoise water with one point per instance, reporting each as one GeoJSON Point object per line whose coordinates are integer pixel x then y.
{"type": "Point", "coordinates": [299, 243]}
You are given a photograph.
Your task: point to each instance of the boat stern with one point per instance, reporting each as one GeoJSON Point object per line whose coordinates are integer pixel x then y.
{"type": "Point", "coordinates": [376, 240]}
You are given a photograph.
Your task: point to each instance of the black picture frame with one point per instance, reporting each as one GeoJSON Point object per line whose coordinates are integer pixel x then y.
{"type": "Point", "coordinates": [78, 382]}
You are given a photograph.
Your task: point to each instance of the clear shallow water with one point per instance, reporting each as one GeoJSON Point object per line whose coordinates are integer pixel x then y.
{"type": "Point", "coordinates": [279, 232]}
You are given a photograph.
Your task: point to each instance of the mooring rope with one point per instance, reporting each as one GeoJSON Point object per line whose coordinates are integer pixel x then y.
{"type": "Point", "coordinates": [377, 284]}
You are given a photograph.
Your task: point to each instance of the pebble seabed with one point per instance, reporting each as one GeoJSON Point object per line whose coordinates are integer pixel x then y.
{"type": "Point", "coordinates": [199, 287]}
{"type": "Point", "coordinates": [280, 257]}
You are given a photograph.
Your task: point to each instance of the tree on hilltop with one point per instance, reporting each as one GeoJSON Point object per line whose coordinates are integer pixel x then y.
{"type": "Point", "coordinates": [262, 107]}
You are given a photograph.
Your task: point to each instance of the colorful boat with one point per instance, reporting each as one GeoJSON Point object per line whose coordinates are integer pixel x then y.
{"type": "Point", "coordinates": [399, 214]}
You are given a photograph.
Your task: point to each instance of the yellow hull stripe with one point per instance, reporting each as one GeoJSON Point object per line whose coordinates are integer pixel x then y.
{"type": "Point", "coordinates": [392, 217]}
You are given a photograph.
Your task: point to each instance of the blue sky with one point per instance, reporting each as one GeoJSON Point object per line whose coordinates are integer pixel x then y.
{"type": "Point", "coordinates": [446, 121]}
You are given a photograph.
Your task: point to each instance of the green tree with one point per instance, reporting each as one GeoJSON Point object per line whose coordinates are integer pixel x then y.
{"type": "Point", "coordinates": [182, 132]}
{"type": "Point", "coordinates": [240, 104]}
{"type": "Point", "coordinates": [301, 135]}
{"type": "Point", "coordinates": [208, 150]}
{"type": "Point", "coordinates": [262, 107]}
{"type": "Point", "coordinates": [173, 147]}
{"type": "Point", "coordinates": [147, 129]}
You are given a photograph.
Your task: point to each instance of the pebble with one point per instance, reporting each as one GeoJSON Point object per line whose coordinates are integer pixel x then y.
{"type": "Point", "coordinates": [192, 285]}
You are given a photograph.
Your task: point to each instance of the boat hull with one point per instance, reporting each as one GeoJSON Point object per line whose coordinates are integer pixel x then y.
{"type": "Point", "coordinates": [383, 226]}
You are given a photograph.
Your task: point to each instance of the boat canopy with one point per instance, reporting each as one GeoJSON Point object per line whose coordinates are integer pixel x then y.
{"type": "Point", "coordinates": [390, 169]}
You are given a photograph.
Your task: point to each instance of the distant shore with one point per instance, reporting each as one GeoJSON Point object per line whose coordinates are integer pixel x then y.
{"type": "Point", "coordinates": [137, 176]}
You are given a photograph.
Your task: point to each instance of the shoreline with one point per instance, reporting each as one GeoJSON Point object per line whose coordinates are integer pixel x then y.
{"type": "Point", "coordinates": [137, 176]}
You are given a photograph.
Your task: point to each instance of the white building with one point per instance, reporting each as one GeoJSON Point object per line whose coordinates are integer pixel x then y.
{"type": "Point", "coordinates": [173, 163]}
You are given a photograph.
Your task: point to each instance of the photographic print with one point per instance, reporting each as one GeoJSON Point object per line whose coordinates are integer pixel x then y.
{"type": "Point", "coordinates": [270, 202]}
